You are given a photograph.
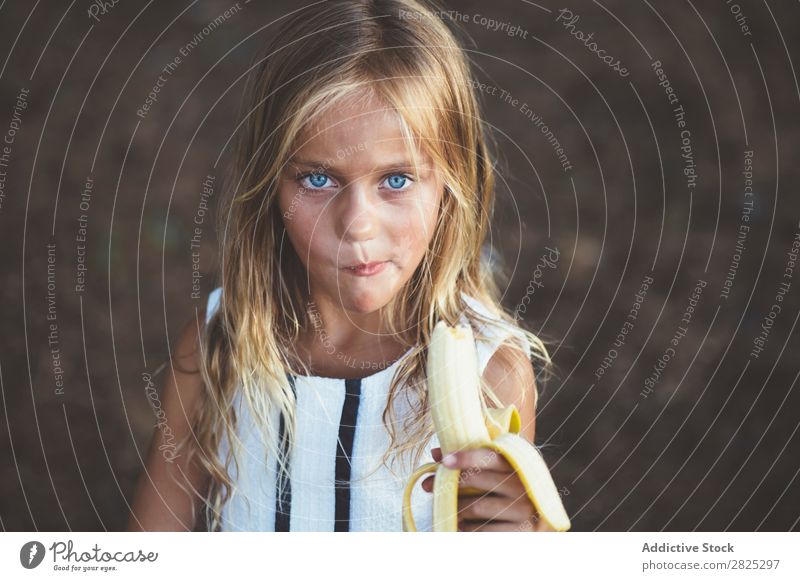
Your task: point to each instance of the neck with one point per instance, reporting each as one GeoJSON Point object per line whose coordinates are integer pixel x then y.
{"type": "Point", "coordinates": [338, 342]}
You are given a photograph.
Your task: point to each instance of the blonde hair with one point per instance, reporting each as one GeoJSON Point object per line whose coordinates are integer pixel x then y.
{"type": "Point", "coordinates": [402, 52]}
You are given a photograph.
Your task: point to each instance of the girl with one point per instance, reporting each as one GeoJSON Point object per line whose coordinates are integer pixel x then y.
{"type": "Point", "coordinates": [364, 193]}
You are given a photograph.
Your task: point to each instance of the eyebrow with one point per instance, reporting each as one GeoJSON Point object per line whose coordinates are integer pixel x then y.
{"type": "Point", "coordinates": [399, 164]}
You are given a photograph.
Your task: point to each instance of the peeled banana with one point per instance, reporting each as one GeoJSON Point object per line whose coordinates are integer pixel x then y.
{"type": "Point", "coordinates": [460, 424]}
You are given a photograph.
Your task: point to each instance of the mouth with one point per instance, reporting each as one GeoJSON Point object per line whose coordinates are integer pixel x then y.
{"type": "Point", "coordinates": [366, 269]}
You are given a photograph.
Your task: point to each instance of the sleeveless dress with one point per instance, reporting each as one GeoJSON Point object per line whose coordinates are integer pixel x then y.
{"type": "Point", "coordinates": [337, 481]}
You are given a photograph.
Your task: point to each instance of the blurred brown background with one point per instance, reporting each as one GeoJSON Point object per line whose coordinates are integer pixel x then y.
{"type": "Point", "coordinates": [712, 446]}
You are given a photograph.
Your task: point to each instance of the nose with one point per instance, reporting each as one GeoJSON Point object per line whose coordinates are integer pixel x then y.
{"type": "Point", "coordinates": [357, 213]}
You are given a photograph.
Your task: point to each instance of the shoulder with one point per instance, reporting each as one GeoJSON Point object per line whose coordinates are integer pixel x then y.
{"type": "Point", "coordinates": [494, 335]}
{"type": "Point", "coordinates": [511, 376]}
{"type": "Point", "coordinates": [186, 352]}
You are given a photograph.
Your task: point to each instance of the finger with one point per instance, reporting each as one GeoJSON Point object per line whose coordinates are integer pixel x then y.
{"type": "Point", "coordinates": [490, 482]}
{"type": "Point", "coordinates": [537, 525]}
{"type": "Point", "coordinates": [430, 482]}
{"type": "Point", "coordinates": [501, 483]}
{"type": "Point", "coordinates": [541, 526]}
{"type": "Point", "coordinates": [478, 526]}
{"type": "Point", "coordinates": [498, 526]}
{"type": "Point", "coordinates": [477, 458]}
{"type": "Point", "coordinates": [437, 454]}
{"type": "Point", "coordinates": [495, 508]}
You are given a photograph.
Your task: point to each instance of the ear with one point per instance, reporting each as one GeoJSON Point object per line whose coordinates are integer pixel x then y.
{"type": "Point", "coordinates": [510, 374]}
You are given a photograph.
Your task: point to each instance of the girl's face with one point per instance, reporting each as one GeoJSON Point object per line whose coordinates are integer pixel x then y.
{"type": "Point", "coordinates": [356, 210]}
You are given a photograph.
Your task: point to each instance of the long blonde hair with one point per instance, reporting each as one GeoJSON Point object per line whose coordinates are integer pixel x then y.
{"type": "Point", "coordinates": [403, 52]}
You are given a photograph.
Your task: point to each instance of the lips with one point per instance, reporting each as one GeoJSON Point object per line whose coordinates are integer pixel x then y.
{"type": "Point", "coordinates": [366, 269]}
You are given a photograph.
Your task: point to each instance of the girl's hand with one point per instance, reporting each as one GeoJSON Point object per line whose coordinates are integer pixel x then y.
{"type": "Point", "coordinates": [504, 506]}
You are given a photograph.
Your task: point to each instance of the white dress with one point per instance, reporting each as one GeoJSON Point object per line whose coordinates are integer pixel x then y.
{"type": "Point", "coordinates": [340, 439]}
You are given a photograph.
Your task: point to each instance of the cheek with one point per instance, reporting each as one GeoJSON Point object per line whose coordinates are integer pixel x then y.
{"type": "Point", "coordinates": [413, 227]}
{"type": "Point", "coordinates": [299, 224]}
{"type": "Point", "coordinates": [304, 231]}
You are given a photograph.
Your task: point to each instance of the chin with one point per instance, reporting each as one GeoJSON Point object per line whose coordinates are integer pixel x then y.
{"type": "Point", "coordinates": [365, 302]}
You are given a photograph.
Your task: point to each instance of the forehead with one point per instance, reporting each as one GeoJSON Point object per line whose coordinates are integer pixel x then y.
{"type": "Point", "coordinates": [356, 134]}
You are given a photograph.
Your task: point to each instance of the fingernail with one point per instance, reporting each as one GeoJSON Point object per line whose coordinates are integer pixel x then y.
{"type": "Point", "coordinates": [450, 460]}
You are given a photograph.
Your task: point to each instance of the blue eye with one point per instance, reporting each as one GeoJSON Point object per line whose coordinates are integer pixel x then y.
{"type": "Point", "coordinates": [317, 180]}
{"type": "Point", "coordinates": [397, 181]}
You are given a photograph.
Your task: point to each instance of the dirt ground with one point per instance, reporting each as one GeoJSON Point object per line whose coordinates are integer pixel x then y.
{"type": "Point", "coordinates": [650, 244]}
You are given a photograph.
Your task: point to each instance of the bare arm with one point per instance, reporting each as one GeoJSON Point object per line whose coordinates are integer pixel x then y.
{"type": "Point", "coordinates": [160, 503]}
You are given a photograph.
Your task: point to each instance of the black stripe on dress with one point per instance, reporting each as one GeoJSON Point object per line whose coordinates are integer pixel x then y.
{"type": "Point", "coordinates": [344, 452]}
{"type": "Point", "coordinates": [283, 503]}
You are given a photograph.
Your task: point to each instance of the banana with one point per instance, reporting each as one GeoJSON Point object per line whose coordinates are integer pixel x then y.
{"type": "Point", "coordinates": [461, 424]}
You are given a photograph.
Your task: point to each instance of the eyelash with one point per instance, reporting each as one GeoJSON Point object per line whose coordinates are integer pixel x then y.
{"type": "Point", "coordinates": [301, 177]}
